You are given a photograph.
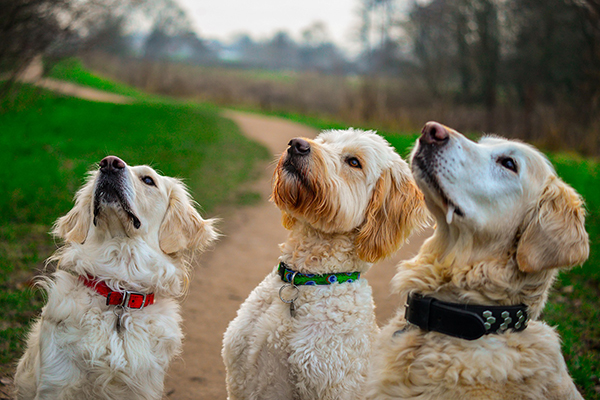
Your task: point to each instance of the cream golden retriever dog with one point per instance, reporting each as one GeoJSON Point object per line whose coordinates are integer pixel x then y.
{"type": "Point", "coordinates": [306, 331]}
{"type": "Point", "coordinates": [475, 291]}
{"type": "Point", "coordinates": [111, 323]}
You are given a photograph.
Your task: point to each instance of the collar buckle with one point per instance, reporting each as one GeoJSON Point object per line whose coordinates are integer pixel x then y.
{"type": "Point", "coordinates": [127, 298]}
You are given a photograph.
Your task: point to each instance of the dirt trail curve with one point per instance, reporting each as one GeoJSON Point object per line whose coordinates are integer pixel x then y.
{"type": "Point", "coordinates": [237, 264]}
{"type": "Point", "coordinates": [33, 75]}
{"type": "Point", "coordinates": [82, 92]}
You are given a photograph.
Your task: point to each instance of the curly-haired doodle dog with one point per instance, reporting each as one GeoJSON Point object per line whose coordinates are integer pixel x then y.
{"type": "Point", "coordinates": [471, 328]}
{"type": "Point", "coordinates": [306, 331]}
{"type": "Point", "coordinates": [111, 323]}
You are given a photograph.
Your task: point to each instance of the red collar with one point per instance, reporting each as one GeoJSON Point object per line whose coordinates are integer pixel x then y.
{"type": "Point", "coordinates": [123, 299]}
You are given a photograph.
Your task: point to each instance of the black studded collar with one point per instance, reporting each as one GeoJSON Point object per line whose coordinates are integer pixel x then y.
{"type": "Point", "coordinates": [465, 321]}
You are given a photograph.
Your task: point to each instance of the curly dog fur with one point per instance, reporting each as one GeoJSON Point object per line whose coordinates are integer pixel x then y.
{"type": "Point", "coordinates": [348, 200]}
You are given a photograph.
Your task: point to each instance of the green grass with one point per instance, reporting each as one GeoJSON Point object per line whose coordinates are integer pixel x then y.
{"type": "Point", "coordinates": [50, 141]}
{"type": "Point", "coordinates": [574, 304]}
{"type": "Point", "coordinates": [72, 70]}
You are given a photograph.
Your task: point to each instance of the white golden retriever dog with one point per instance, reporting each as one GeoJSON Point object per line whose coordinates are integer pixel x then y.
{"type": "Point", "coordinates": [475, 291]}
{"type": "Point", "coordinates": [111, 323]}
{"type": "Point", "coordinates": [348, 200]}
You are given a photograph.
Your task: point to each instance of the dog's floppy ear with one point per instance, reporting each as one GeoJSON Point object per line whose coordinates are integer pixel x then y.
{"type": "Point", "coordinates": [396, 208]}
{"type": "Point", "coordinates": [182, 227]}
{"type": "Point", "coordinates": [554, 235]}
{"type": "Point", "coordinates": [74, 226]}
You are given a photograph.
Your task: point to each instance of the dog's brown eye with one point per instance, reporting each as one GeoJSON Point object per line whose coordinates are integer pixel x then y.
{"type": "Point", "coordinates": [353, 162]}
{"type": "Point", "coordinates": [148, 181]}
{"type": "Point", "coordinates": [508, 163]}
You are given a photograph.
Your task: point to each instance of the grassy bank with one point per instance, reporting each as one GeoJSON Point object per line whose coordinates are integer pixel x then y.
{"type": "Point", "coordinates": [50, 141]}
{"type": "Point", "coordinates": [72, 70]}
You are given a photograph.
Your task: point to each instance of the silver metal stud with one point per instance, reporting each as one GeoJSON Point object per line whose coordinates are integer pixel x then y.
{"type": "Point", "coordinates": [507, 320]}
{"type": "Point", "coordinates": [489, 320]}
{"type": "Point", "coordinates": [520, 313]}
{"type": "Point", "coordinates": [521, 321]}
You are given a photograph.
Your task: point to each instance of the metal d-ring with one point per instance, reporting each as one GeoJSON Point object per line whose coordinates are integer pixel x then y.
{"type": "Point", "coordinates": [291, 284]}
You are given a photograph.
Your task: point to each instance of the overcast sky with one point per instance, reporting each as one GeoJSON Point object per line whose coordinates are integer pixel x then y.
{"type": "Point", "coordinates": [222, 19]}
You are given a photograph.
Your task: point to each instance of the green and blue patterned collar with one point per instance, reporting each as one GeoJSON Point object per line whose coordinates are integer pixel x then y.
{"type": "Point", "coordinates": [287, 275]}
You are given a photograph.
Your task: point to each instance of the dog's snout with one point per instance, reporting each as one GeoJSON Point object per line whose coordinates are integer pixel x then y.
{"type": "Point", "coordinates": [111, 164]}
{"type": "Point", "coordinates": [434, 133]}
{"type": "Point", "coordinates": [298, 147]}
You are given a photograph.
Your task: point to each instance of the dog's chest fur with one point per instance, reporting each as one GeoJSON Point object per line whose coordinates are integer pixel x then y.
{"type": "Point", "coordinates": [420, 365]}
{"type": "Point", "coordinates": [314, 252]}
{"type": "Point", "coordinates": [81, 313]}
{"type": "Point", "coordinates": [330, 337]}
{"type": "Point", "coordinates": [413, 364]}
{"type": "Point", "coordinates": [103, 362]}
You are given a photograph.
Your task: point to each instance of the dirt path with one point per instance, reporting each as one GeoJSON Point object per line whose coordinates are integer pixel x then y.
{"type": "Point", "coordinates": [75, 90]}
{"type": "Point", "coordinates": [33, 75]}
{"type": "Point", "coordinates": [237, 264]}
{"type": "Point", "coordinates": [82, 92]}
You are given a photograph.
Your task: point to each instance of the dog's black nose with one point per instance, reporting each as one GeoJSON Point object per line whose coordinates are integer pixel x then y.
{"type": "Point", "coordinates": [298, 147]}
{"type": "Point", "coordinates": [434, 133]}
{"type": "Point", "coordinates": [111, 164]}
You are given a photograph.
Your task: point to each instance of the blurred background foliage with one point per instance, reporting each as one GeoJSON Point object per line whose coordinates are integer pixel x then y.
{"type": "Point", "coordinates": [522, 68]}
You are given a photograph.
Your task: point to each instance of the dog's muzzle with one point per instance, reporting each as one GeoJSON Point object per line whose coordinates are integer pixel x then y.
{"type": "Point", "coordinates": [110, 188]}
{"type": "Point", "coordinates": [434, 137]}
{"type": "Point", "coordinates": [297, 156]}
{"type": "Point", "coordinates": [433, 141]}
{"type": "Point", "coordinates": [111, 179]}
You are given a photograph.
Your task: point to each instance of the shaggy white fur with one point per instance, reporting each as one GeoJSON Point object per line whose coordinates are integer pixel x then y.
{"type": "Point", "coordinates": [505, 222]}
{"type": "Point", "coordinates": [348, 199]}
{"type": "Point", "coordinates": [130, 228]}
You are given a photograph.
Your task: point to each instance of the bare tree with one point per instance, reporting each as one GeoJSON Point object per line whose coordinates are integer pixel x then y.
{"type": "Point", "coordinates": [27, 28]}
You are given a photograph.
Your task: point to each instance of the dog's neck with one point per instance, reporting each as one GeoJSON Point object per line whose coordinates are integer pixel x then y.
{"type": "Point", "coordinates": [494, 280]}
{"type": "Point", "coordinates": [125, 264]}
{"type": "Point", "coordinates": [308, 250]}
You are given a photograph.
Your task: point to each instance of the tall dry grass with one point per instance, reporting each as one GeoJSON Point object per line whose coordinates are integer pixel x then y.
{"type": "Point", "coordinates": [381, 103]}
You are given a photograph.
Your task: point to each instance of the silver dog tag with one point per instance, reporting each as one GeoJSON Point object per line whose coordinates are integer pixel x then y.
{"type": "Point", "coordinates": [292, 299]}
